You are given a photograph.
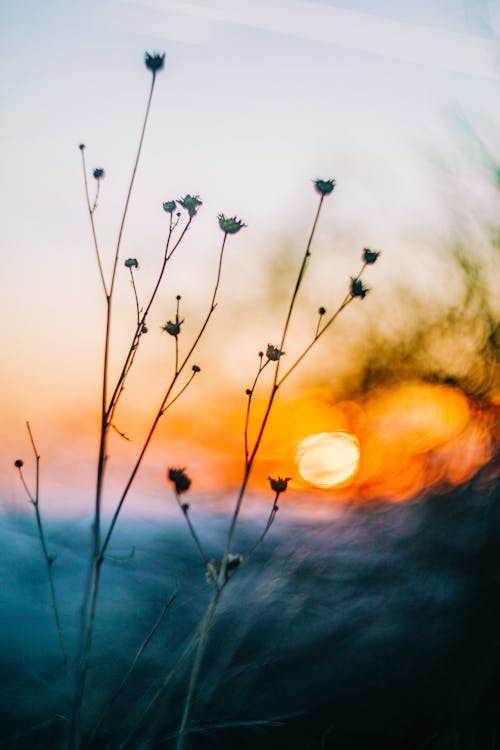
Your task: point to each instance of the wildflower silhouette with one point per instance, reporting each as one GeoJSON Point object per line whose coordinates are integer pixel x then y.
{"type": "Point", "coordinates": [273, 353]}
{"type": "Point", "coordinates": [190, 203]}
{"type": "Point", "coordinates": [230, 225]}
{"type": "Point", "coordinates": [324, 187]}
{"type": "Point", "coordinates": [358, 289]}
{"type": "Point", "coordinates": [219, 570]}
{"type": "Point", "coordinates": [154, 62]}
{"type": "Point", "coordinates": [180, 479]}
{"type": "Point", "coordinates": [370, 256]}
{"type": "Point", "coordinates": [279, 484]}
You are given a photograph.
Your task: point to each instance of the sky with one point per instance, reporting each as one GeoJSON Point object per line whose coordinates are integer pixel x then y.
{"type": "Point", "coordinates": [395, 100]}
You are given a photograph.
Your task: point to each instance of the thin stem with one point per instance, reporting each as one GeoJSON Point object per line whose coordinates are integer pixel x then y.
{"type": "Point", "coordinates": [197, 663]}
{"type": "Point", "coordinates": [185, 513]}
{"type": "Point", "coordinates": [92, 222]}
{"type": "Point", "coordinates": [273, 721]}
{"type": "Point", "coordinates": [49, 560]}
{"type": "Point", "coordinates": [145, 718]}
{"type": "Point", "coordinates": [171, 403]}
{"type": "Point", "coordinates": [249, 405]}
{"type": "Point", "coordinates": [300, 277]}
{"type": "Point", "coordinates": [135, 295]}
{"type": "Point", "coordinates": [163, 404]}
{"type": "Point", "coordinates": [119, 432]}
{"type": "Point", "coordinates": [222, 577]}
{"type": "Point", "coordinates": [347, 300]}
{"type": "Point", "coordinates": [41, 725]}
{"type": "Point", "coordinates": [272, 395]}
{"type": "Point", "coordinates": [131, 185]}
{"type": "Point", "coordinates": [27, 489]}
{"type": "Point", "coordinates": [92, 580]}
{"type": "Point", "coordinates": [270, 520]}
{"type": "Point", "coordinates": [131, 668]}
{"type": "Point", "coordinates": [139, 329]}
{"type": "Point", "coordinates": [94, 206]}
{"type": "Point", "coordinates": [321, 330]}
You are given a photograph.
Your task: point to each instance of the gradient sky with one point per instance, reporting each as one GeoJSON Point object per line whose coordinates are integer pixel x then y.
{"type": "Point", "coordinates": [398, 101]}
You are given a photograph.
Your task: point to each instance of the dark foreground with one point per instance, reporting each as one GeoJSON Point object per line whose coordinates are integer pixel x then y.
{"type": "Point", "coordinates": [378, 630]}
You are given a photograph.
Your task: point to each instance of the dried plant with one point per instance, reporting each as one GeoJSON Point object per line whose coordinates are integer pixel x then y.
{"type": "Point", "coordinates": [220, 571]}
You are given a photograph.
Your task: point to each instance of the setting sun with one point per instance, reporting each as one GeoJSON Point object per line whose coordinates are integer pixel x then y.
{"type": "Point", "coordinates": [328, 459]}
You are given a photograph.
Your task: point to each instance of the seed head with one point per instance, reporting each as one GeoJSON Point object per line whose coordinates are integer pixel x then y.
{"type": "Point", "coordinates": [358, 289]}
{"type": "Point", "coordinates": [273, 353]}
{"type": "Point", "coordinates": [19, 463]}
{"type": "Point", "coordinates": [180, 479]}
{"type": "Point", "coordinates": [131, 263]}
{"type": "Point", "coordinates": [99, 173]}
{"type": "Point", "coordinates": [370, 256]}
{"type": "Point", "coordinates": [172, 328]}
{"type": "Point", "coordinates": [190, 203]}
{"type": "Point", "coordinates": [230, 225]}
{"type": "Point", "coordinates": [195, 368]}
{"type": "Point", "coordinates": [154, 62]}
{"type": "Point", "coordinates": [324, 187]}
{"type": "Point", "coordinates": [322, 310]}
{"type": "Point", "coordinates": [169, 206]}
{"type": "Point", "coordinates": [279, 484]}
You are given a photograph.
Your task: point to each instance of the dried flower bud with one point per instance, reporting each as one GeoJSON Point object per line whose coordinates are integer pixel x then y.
{"type": "Point", "coordinates": [144, 328]}
{"type": "Point", "coordinates": [230, 225]}
{"type": "Point", "coordinates": [169, 206]}
{"type": "Point", "coordinates": [19, 463]}
{"type": "Point", "coordinates": [185, 508]}
{"type": "Point", "coordinates": [178, 297]}
{"type": "Point", "coordinates": [180, 479]}
{"type": "Point", "coordinates": [280, 484]}
{"type": "Point", "coordinates": [154, 62]}
{"type": "Point", "coordinates": [99, 173]}
{"type": "Point", "coordinates": [370, 256]}
{"type": "Point", "coordinates": [195, 368]}
{"type": "Point", "coordinates": [358, 289]}
{"type": "Point", "coordinates": [322, 310]}
{"type": "Point", "coordinates": [190, 203]}
{"type": "Point", "coordinates": [131, 263]}
{"type": "Point", "coordinates": [324, 187]}
{"type": "Point", "coordinates": [81, 146]}
{"type": "Point", "coordinates": [234, 561]}
{"type": "Point", "coordinates": [273, 353]}
{"type": "Point", "coordinates": [172, 328]}
{"type": "Point", "coordinates": [248, 392]}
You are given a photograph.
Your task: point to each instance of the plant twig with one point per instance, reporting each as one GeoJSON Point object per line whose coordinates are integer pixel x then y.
{"type": "Point", "coordinates": [41, 725]}
{"type": "Point", "coordinates": [92, 221]}
{"type": "Point", "coordinates": [270, 521]}
{"type": "Point", "coordinates": [135, 295]}
{"type": "Point", "coordinates": [222, 577]}
{"type": "Point", "coordinates": [131, 668]}
{"type": "Point", "coordinates": [164, 403]}
{"type": "Point", "coordinates": [92, 580]}
{"type": "Point", "coordinates": [49, 559]}
{"type": "Point", "coordinates": [185, 512]}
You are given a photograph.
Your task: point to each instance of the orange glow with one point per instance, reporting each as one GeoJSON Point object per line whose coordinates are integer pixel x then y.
{"type": "Point", "coordinates": [328, 459]}
{"type": "Point", "coordinates": [413, 438]}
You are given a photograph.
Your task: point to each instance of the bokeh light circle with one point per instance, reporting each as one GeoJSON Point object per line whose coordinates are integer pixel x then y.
{"type": "Point", "coordinates": [328, 459]}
